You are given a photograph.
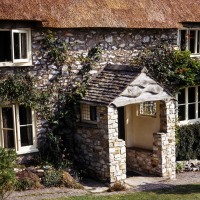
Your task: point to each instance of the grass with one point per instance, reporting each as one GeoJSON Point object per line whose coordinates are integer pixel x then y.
{"type": "Point", "coordinates": [185, 192]}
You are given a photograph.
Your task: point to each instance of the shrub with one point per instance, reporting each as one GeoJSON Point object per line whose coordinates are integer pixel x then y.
{"type": "Point", "coordinates": [170, 67]}
{"type": "Point", "coordinates": [117, 186]}
{"type": "Point", "coordinates": [52, 178]}
{"type": "Point", "coordinates": [179, 167]}
{"type": "Point", "coordinates": [188, 146]}
{"type": "Point", "coordinates": [27, 180]}
{"type": "Point", "coordinates": [70, 182]}
{"type": "Point", "coordinates": [7, 174]}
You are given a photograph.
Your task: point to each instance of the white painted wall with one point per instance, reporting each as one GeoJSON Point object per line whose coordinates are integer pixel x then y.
{"type": "Point", "coordinates": [139, 129]}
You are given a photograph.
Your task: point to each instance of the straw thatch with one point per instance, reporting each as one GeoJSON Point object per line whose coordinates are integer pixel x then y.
{"type": "Point", "coordinates": [103, 13]}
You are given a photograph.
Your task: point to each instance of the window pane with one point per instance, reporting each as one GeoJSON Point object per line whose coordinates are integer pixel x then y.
{"type": "Point", "coordinates": [26, 134]}
{"type": "Point", "coordinates": [191, 111]}
{"type": "Point", "coordinates": [7, 115]}
{"type": "Point", "coordinates": [93, 113]}
{"type": "Point", "coordinates": [85, 112]}
{"type": "Point", "coordinates": [16, 46]}
{"type": "Point", "coordinates": [198, 42]}
{"type": "Point", "coordinates": [192, 41]}
{"type": "Point", "coordinates": [183, 40]}
{"type": "Point", "coordinates": [181, 112]}
{"type": "Point", "coordinates": [148, 108]}
{"type": "Point", "coordinates": [5, 46]}
{"type": "Point", "coordinates": [9, 139]}
{"type": "Point", "coordinates": [198, 110]}
{"type": "Point", "coordinates": [23, 45]}
{"type": "Point", "coordinates": [181, 96]}
{"type": "Point", "coordinates": [25, 115]}
{"type": "Point", "coordinates": [191, 94]}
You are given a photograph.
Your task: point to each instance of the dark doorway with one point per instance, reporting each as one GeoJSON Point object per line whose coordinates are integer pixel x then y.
{"type": "Point", "coordinates": [121, 125]}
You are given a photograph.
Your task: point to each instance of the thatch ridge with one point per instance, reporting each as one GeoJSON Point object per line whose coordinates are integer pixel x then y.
{"type": "Point", "coordinates": [103, 13]}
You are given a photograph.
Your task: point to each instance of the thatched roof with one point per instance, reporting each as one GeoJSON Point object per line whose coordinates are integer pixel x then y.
{"type": "Point", "coordinates": [103, 13]}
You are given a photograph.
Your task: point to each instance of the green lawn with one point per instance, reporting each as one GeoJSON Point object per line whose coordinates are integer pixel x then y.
{"type": "Point", "coordinates": [186, 192]}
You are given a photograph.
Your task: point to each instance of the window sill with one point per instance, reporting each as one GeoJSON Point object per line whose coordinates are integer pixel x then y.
{"type": "Point", "coordinates": [87, 124]}
{"type": "Point", "coordinates": [195, 55]}
{"type": "Point", "coordinates": [33, 150]}
{"type": "Point", "coordinates": [187, 122]}
{"type": "Point", "coordinates": [11, 64]}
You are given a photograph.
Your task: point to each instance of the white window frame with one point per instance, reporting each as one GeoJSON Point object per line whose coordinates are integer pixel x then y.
{"type": "Point", "coordinates": [189, 121]}
{"type": "Point", "coordinates": [19, 62]}
{"type": "Point", "coordinates": [16, 123]}
{"type": "Point", "coordinates": [197, 30]}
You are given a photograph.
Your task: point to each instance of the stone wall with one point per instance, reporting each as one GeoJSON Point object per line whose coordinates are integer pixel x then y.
{"type": "Point", "coordinates": [102, 158]}
{"type": "Point", "coordinates": [98, 148]}
{"type": "Point", "coordinates": [92, 146]}
{"type": "Point", "coordinates": [117, 148]}
{"type": "Point", "coordinates": [139, 160]}
{"type": "Point", "coordinates": [101, 153]}
{"type": "Point", "coordinates": [119, 45]}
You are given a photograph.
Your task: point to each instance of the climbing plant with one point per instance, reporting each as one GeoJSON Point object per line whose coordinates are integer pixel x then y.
{"type": "Point", "coordinates": [68, 86]}
{"type": "Point", "coordinates": [56, 102]}
{"type": "Point", "coordinates": [170, 67]}
{"type": "Point", "coordinates": [20, 88]}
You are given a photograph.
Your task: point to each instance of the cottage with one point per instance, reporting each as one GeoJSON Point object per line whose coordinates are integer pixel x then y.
{"type": "Point", "coordinates": [127, 119]}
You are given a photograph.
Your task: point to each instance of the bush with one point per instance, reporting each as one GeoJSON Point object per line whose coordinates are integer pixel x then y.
{"type": "Point", "coordinates": [171, 68]}
{"type": "Point", "coordinates": [27, 180]}
{"type": "Point", "coordinates": [52, 178]}
{"type": "Point", "coordinates": [188, 145]}
{"type": "Point", "coordinates": [7, 174]}
{"type": "Point", "coordinates": [117, 186]}
{"type": "Point", "coordinates": [70, 182]}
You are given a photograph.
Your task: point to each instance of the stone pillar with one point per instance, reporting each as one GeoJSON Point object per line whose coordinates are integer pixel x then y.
{"type": "Point", "coordinates": [117, 149]}
{"type": "Point", "coordinates": [164, 158]}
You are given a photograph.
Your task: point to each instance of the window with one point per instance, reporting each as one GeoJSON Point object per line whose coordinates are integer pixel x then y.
{"type": "Point", "coordinates": [147, 108]}
{"type": "Point", "coordinates": [189, 39]}
{"type": "Point", "coordinates": [15, 47]}
{"type": "Point", "coordinates": [88, 113]}
{"type": "Point", "coordinates": [189, 104]}
{"type": "Point", "coordinates": [17, 130]}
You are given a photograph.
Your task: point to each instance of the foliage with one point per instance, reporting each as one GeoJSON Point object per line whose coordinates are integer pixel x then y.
{"type": "Point", "coordinates": [117, 186]}
{"type": "Point", "coordinates": [27, 180]}
{"type": "Point", "coordinates": [52, 178]}
{"type": "Point", "coordinates": [172, 68]}
{"type": "Point", "coordinates": [57, 142]}
{"type": "Point", "coordinates": [179, 167]}
{"type": "Point", "coordinates": [188, 146]}
{"type": "Point", "coordinates": [20, 88]}
{"type": "Point", "coordinates": [7, 174]}
{"type": "Point", "coordinates": [70, 182]}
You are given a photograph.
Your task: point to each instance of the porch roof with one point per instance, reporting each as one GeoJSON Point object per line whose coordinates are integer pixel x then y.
{"type": "Point", "coordinates": [122, 85]}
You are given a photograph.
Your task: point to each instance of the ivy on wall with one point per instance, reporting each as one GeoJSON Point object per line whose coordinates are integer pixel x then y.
{"type": "Point", "coordinates": [172, 68]}
{"type": "Point", "coordinates": [55, 103]}
{"type": "Point", "coordinates": [57, 142]}
{"type": "Point", "coordinates": [20, 88]}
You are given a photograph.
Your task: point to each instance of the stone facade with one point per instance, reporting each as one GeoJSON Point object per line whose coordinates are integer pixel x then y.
{"type": "Point", "coordinates": [139, 160]}
{"type": "Point", "coordinates": [97, 146]}
{"type": "Point", "coordinates": [99, 149]}
{"type": "Point", "coordinates": [117, 148]}
{"type": "Point", "coordinates": [92, 146]}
